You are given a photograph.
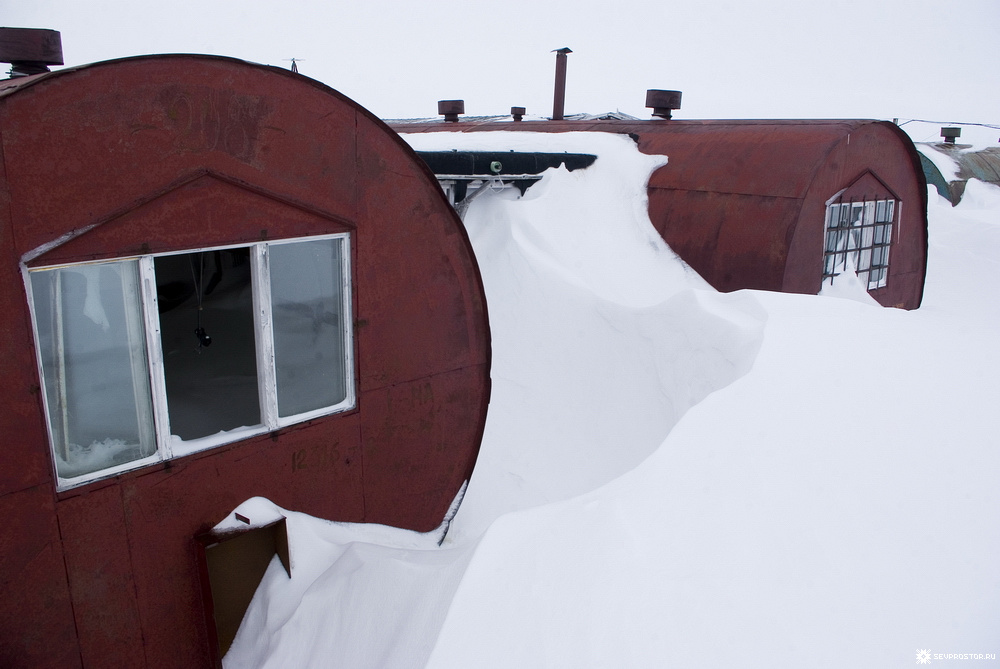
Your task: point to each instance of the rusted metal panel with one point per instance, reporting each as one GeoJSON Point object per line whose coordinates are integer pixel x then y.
{"type": "Point", "coordinates": [421, 451]}
{"type": "Point", "coordinates": [316, 468]}
{"type": "Point", "coordinates": [721, 235]}
{"type": "Point", "coordinates": [36, 613]}
{"type": "Point", "coordinates": [145, 119]}
{"type": "Point", "coordinates": [144, 543]}
{"type": "Point", "coordinates": [168, 153]}
{"type": "Point", "coordinates": [24, 465]}
{"type": "Point", "coordinates": [412, 281]}
{"type": "Point", "coordinates": [95, 545]}
{"type": "Point", "coordinates": [212, 206]}
{"type": "Point", "coordinates": [775, 160]}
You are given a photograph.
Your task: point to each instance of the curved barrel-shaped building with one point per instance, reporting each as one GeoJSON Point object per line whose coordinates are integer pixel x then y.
{"type": "Point", "coordinates": [777, 205]}
{"type": "Point", "coordinates": [220, 280]}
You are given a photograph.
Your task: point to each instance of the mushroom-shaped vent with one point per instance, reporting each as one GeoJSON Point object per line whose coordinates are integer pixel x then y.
{"type": "Point", "coordinates": [663, 102]}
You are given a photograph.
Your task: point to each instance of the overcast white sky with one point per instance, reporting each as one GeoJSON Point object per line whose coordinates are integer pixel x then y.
{"type": "Point", "coordinates": [731, 58]}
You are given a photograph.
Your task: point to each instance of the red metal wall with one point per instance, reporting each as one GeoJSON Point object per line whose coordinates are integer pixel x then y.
{"type": "Point", "coordinates": [165, 153]}
{"type": "Point", "coordinates": [744, 202]}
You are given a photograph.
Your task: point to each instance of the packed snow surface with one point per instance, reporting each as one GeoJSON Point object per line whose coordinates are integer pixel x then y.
{"type": "Point", "coordinates": [673, 477]}
{"type": "Point", "coordinates": [945, 164]}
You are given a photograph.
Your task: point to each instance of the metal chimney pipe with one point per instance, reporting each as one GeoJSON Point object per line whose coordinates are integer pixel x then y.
{"type": "Point", "coordinates": [559, 96]}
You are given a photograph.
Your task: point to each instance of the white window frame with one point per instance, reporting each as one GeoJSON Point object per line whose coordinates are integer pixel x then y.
{"type": "Point", "coordinates": [168, 446]}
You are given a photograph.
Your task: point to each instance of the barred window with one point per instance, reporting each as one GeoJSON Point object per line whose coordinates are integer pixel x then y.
{"type": "Point", "coordinates": [858, 237]}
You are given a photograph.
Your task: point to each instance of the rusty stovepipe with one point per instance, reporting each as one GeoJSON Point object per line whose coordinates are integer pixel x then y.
{"type": "Point", "coordinates": [559, 97]}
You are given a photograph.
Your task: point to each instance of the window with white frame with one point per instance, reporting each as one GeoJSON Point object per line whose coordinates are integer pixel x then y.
{"type": "Point", "coordinates": [148, 358]}
{"type": "Point", "coordinates": [858, 237]}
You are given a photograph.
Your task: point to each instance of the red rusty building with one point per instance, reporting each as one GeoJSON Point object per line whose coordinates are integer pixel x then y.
{"type": "Point", "coordinates": [220, 280]}
{"type": "Point", "coordinates": [776, 205]}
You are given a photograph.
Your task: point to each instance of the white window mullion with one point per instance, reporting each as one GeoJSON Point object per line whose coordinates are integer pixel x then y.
{"type": "Point", "coordinates": [266, 377]}
{"type": "Point", "coordinates": [62, 415]}
{"type": "Point", "coordinates": [136, 327]}
{"type": "Point", "coordinates": [347, 320]}
{"type": "Point", "coordinates": [896, 215]}
{"type": "Point", "coordinates": [154, 351]}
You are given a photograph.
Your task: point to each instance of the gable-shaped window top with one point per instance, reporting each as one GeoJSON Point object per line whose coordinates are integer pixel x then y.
{"type": "Point", "coordinates": [148, 358]}
{"type": "Point", "coordinates": [859, 231]}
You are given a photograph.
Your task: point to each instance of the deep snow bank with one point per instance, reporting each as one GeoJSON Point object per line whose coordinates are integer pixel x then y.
{"type": "Point", "coordinates": [602, 339]}
{"type": "Point", "coordinates": [358, 596]}
{"type": "Point", "coordinates": [837, 506]}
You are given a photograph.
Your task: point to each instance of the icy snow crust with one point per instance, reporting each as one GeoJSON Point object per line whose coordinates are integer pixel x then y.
{"type": "Point", "coordinates": [674, 477]}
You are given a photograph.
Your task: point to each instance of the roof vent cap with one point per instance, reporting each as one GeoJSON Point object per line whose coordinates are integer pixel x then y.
{"type": "Point", "coordinates": [450, 109]}
{"type": "Point", "coordinates": [663, 102]}
{"type": "Point", "coordinates": [951, 134]}
{"type": "Point", "coordinates": [30, 50]}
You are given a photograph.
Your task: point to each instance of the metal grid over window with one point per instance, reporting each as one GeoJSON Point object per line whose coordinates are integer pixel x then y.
{"type": "Point", "coordinates": [858, 237]}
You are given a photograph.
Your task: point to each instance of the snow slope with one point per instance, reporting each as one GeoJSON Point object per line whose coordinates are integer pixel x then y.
{"type": "Point", "coordinates": [674, 477]}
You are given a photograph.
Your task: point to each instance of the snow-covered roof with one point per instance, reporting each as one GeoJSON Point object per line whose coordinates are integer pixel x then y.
{"type": "Point", "coordinates": [606, 116]}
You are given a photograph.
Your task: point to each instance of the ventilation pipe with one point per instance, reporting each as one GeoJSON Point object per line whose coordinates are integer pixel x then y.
{"type": "Point", "coordinates": [559, 96]}
{"type": "Point", "coordinates": [450, 109]}
{"type": "Point", "coordinates": [30, 50]}
{"type": "Point", "coordinates": [663, 102]}
{"type": "Point", "coordinates": [517, 113]}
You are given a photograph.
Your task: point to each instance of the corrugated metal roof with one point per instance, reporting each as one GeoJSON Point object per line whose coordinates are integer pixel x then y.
{"type": "Point", "coordinates": [983, 165]}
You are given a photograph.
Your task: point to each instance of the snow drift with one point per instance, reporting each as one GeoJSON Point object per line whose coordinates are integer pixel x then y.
{"type": "Point", "coordinates": [674, 477]}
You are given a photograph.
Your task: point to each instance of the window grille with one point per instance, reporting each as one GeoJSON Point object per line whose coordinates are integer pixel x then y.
{"type": "Point", "coordinates": [858, 238]}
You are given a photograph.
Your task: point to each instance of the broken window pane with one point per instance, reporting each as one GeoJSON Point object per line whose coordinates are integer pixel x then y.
{"type": "Point", "coordinates": [207, 335]}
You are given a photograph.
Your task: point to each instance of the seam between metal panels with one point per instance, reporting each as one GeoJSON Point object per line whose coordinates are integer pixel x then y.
{"type": "Point", "coordinates": [721, 192]}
